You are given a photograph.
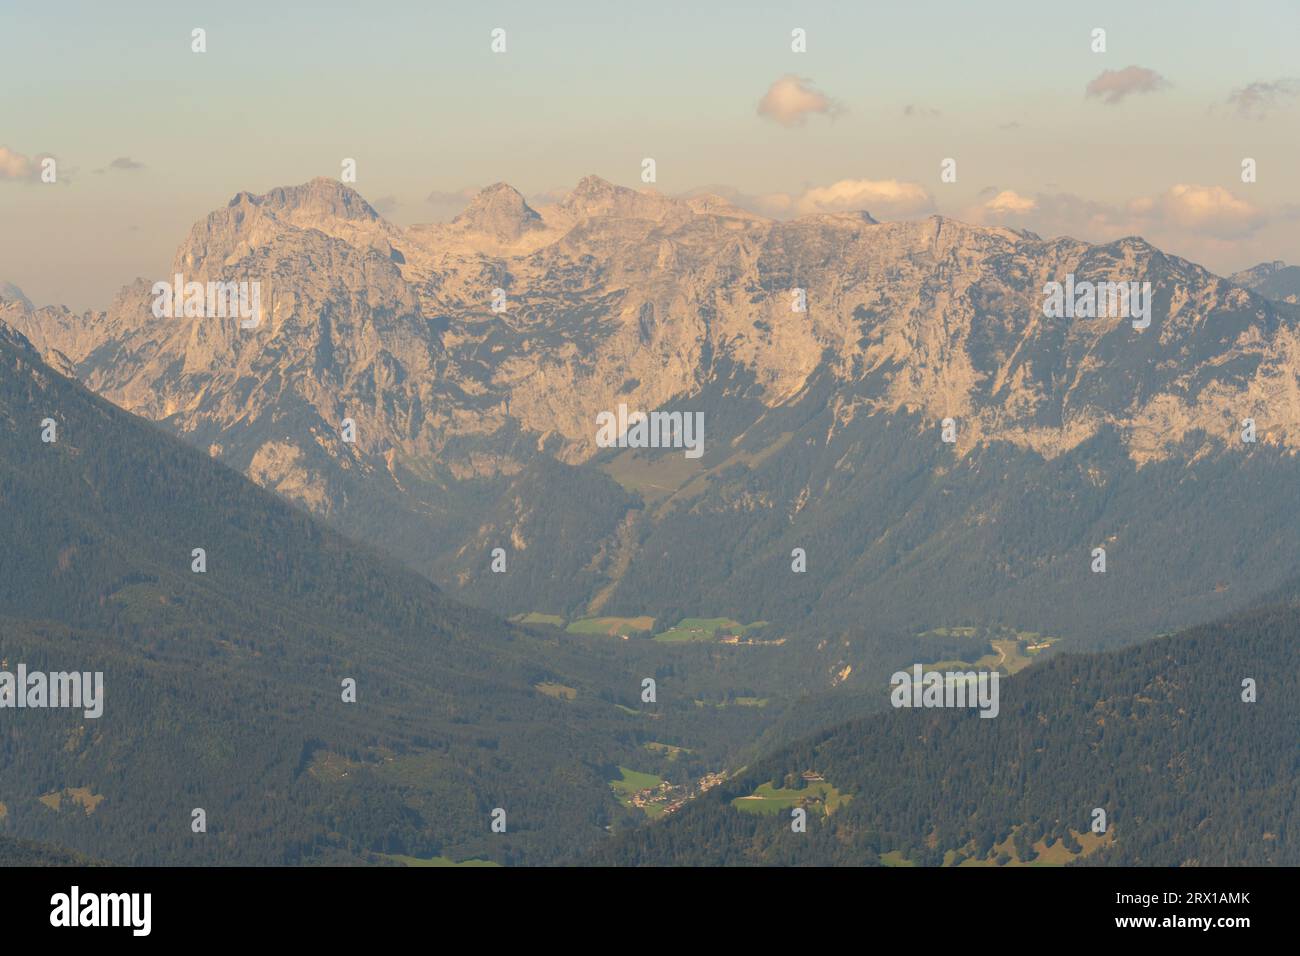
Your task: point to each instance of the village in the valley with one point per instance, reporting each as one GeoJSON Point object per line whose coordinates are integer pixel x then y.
{"type": "Point", "coordinates": [669, 798]}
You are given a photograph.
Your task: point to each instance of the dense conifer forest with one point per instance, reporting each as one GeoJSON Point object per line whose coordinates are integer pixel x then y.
{"type": "Point", "coordinates": [1158, 736]}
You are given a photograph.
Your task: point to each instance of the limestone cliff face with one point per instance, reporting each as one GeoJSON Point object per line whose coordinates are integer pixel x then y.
{"type": "Point", "coordinates": [616, 295]}
{"type": "Point", "coordinates": [53, 329]}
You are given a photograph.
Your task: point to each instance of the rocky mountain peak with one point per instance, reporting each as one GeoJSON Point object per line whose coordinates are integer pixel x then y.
{"type": "Point", "coordinates": [594, 197]}
{"type": "Point", "coordinates": [830, 344]}
{"type": "Point", "coordinates": [501, 212]}
{"type": "Point", "coordinates": [250, 221]}
{"type": "Point", "coordinates": [617, 295]}
{"type": "Point", "coordinates": [321, 196]}
{"type": "Point", "coordinates": [594, 187]}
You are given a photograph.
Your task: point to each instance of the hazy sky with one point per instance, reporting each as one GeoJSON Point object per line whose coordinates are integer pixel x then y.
{"type": "Point", "coordinates": [149, 137]}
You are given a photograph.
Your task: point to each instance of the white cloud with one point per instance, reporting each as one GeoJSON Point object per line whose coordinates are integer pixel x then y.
{"type": "Point", "coordinates": [16, 166]}
{"type": "Point", "coordinates": [1211, 210]}
{"type": "Point", "coordinates": [791, 99]}
{"type": "Point", "coordinates": [1183, 210]}
{"type": "Point", "coordinates": [1009, 201]}
{"type": "Point", "coordinates": [883, 198]}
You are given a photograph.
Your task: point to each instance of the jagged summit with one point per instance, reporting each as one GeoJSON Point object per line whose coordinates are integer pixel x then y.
{"type": "Point", "coordinates": [251, 221]}
{"type": "Point", "coordinates": [321, 196]}
{"type": "Point", "coordinates": [501, 212]}
{"type": "Point", "coordinates": [594, 196]}
{"type": "Point", "coordinates": [593, 186]}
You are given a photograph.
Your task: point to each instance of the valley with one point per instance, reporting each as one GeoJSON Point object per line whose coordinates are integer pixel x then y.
{"type": "Point", "coordinates": [386, 452]}
{"type": "Point", "coordinates": [1147, 756]}
{"type": "Point", "coordinates": [221, 689]}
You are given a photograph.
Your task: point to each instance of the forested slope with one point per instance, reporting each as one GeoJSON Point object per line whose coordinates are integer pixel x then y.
{"type": "Point", "coordinates": [1158, 736]}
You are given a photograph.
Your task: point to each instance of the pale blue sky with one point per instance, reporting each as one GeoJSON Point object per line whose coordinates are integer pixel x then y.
{"type": "Point", "coordinates": [413, 92]}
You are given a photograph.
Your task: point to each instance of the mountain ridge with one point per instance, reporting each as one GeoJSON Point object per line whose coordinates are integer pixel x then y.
{"type": "Point", "coordinates": [818, 350]}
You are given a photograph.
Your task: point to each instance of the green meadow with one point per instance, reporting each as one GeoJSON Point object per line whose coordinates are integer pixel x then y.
{"type": "Point", "coordinates": [705, 629]}
{"type": "Point", "coordinates": [668, 750]}
{"type": "Point", "coordinates": [632, 782]}
{"type": "Point", "coordinates": [818, 795]}
{"type": "Point", "coordinates": [611, 626]}
{"type": "Point", "coordinates": [1010, 650]}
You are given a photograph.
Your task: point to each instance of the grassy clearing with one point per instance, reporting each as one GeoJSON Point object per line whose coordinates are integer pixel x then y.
{"type": "Point", "coordinates": [636, 790]}
{"type": "Point", "coordinates": [558, 691]}
{"type": "Point", "coordinates": [653, 476]}
{"type": "Point", "coordinates": [1010, 650]}
{"type": "Point", "coordinates": [611, 626]}
{"type": "Point", "coordinates": [949, 632]}
{"type": "Point", "coordinates": [631, 781]}
{"type": "Point", "coordinates": [817, 795]}
{"type": "Point", "coordinates": [327, 765]}
{"type": "Point", "coordinates": [705, 629]}
{"type": "Point", "coordinates": [77, 796]}
{"type": "Point", "coordinates": [668, 750]}
{"type": "Point", "coordinates": [895, 858]}
{"type": "Point", "coordinates": [659, 475]}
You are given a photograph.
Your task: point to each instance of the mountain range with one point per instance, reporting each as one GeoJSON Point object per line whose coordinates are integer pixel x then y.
{"type": "Point", "coordinates": [907, 457]}
{"type": "Point", "coordinates": [473, 359]}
